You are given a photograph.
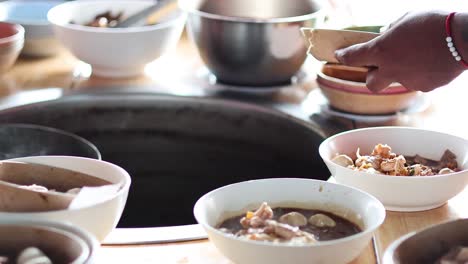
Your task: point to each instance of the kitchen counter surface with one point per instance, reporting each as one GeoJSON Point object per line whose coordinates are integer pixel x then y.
{"type": "Point", "coordinates": [174, 73]}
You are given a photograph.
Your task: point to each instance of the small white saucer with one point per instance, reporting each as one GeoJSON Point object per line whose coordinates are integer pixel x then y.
{"type": "Point", "coordinates": [206, 79]}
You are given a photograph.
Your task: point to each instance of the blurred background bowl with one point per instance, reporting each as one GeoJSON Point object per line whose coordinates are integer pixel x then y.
{"type": "Point", "coordinates": [254, 43]}
{"type": "Point", "coordinates": [61, 243]}
{"type": "Point", "coordinates": [11, 43]}
{"type": "Point", "coordinates": [32, 15]}
{"type": "Point", "coordinates": [22, 140]}
{"type": "Point", "coordinates": [345, 89]}
{"type": "Point", "coordinates": [114, 52]}
{"type": "Point", "coordinates": [99, 217]}
{"type": "Point", "coordinates": [428, 245]}
{"type": "Point", "coordinates": [235, 199]}
{"type": "Point", "coordinates": [400, 193]}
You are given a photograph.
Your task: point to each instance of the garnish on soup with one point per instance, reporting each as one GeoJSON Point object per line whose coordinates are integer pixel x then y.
{"type": "Point", "coordinates": [383, 161]}
{"type": "Point", "coordinates": [294, 226]}
{"type": "Point", "coordinates": [105, 19]}
{"type": "Point", "coordinates": [108, 19]}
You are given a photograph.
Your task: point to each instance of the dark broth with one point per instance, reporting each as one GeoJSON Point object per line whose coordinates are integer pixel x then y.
{"type": "Point", "coordinates": [448, 160]}
{"type": "Point", "coordinates": [342, 229]}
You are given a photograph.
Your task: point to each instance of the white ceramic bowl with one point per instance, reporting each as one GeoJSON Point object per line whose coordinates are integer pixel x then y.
{"type": "Point", "coordinates": [357, 206]}
{"type": "Point", "coordinates": [429, 244]}
{"type": "Point", "coordinates": [32, 15]}
{"type": "Point", "coordinates": [114, 52]}
{"type": "Point", "coordinates": [99, 218]}
{"type": "Point", "coordinates": [62, 243]}
{"type": "Point", "coordinates": [400, 193]}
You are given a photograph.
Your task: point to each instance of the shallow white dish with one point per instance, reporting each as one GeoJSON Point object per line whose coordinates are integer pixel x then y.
{"type": "Point", "coordinates": [114, 52]}
{"type": "Point", "coordinates": [99, 218]}
{"type": "Point", "coordinates": [400, 193]}
{"type": "Point", "coordinates": [354, 205]}
{"type": "Point", "coordinates": [204, 78]}
{"type": "Point", "coordinates": [32, 15]}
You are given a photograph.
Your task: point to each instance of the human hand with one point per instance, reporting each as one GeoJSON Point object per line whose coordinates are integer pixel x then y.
{"type": "Point", "coordinates": [412, 52]}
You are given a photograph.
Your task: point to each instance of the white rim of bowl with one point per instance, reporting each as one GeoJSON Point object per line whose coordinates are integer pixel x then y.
{"type": "Point", "coordinates": [56, 131]}
{"type": "Point", "coordinates": [388, 254]}
{"type": "Point", "coordinates": [30, 22]}
{"type": "Point", "coordinates": [185, 5]}
{"type": "Point", "coordinates": [364, 232]}
{"type": "Point", "coordinates": [15, 37]}
{"type": "Point", "coordinates": [126, 182]}
{"type": "Point", "coordinates": [85, 235]}
{"type": "Point", "coordinates": [180, 16]}
{"type": "Point", "coordinates": [58, 228]}
{"type": "Point", "coordinates": [326, 142]}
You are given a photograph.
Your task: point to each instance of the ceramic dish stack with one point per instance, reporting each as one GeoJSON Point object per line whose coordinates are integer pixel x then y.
{"type": "Point", "coordinates": [40, 40]}
{"type": "Point", "coordinates": [344, 86]}
{"type": "Point", "coordinates": [11, 43]}
{"type": "Point", "coordinates": [346, 90]}
{"type": "Point", "coordinates": [40, 223]}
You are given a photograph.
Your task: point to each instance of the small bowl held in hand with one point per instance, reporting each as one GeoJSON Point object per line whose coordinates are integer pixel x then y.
{"type": "Point", "coordinates": [324, 42]}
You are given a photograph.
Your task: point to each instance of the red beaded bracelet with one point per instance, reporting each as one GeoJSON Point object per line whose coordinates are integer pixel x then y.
{"type": "Point", "coordinates": [449, 40]}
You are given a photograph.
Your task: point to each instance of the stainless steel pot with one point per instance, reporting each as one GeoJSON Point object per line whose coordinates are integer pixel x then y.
{"type": "Point", "coordinates": [252, 42]}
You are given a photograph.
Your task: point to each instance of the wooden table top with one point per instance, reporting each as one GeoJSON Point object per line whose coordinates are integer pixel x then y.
{"type": "Point", "coordinates": [64, 71]}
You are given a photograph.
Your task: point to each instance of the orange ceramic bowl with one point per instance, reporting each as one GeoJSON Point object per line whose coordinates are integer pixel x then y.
{"type": "Point", "coordinates": [11, 43]}
{"type": "Point", "coordinates": [346, 90]}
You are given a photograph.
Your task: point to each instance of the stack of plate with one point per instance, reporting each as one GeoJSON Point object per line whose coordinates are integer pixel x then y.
{"type": "Point", "coordinates": [32, 15]}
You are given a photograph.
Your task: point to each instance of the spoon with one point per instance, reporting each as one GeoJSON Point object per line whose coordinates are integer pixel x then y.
{"type": "Point", "coordinates": [324, 42]}
{"type": "Point", "coordinates": [161, 8]}
{"type": "Point", "coordinates": [20, 186]}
